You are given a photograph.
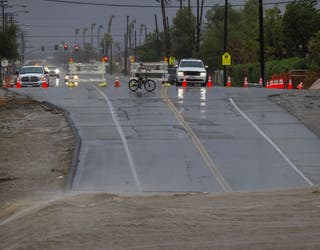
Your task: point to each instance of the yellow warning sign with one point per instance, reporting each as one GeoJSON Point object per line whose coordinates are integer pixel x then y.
{"type": "Point", "coordinates": [226, 59]}
{"type": "Point", "coordinates": [171, 60]}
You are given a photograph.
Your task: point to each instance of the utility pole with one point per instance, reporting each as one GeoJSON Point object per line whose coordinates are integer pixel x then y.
{"type": "Point", "coordinates": [165, 27]}
{"type": "Point", "coordinates": [23, 46]}
{"type": "Point", "coordinates": [262, 62]}
{"type": "Point", "coordinates": [225, 39]}
{"type": "Point", "coordinates": [3, 2]}
{"type": "Point", "coordinates": [111, 59]}
{"type": "Point", "coordinates": [126, 49]}
{"type": "Point", "coordinates": [92, 26]}
{"type": "Point", "coordinates": [3, 5]}
{"type": "Point", "coordinates": [157, 32]}
{"type": "Point", "coordinates": [135, 45]}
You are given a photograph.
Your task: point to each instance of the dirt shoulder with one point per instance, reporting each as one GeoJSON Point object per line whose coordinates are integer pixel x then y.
{"type": "Point", "coordinates": [36, 149]}
{"type": "Point", "coordinates": [305, 105]}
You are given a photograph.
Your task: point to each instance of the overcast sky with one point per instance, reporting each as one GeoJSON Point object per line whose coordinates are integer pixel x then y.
{"type": "Point", "coordinates": [49, 23]}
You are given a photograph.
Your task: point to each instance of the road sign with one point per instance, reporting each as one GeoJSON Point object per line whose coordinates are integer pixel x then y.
{"type": "Point", "coordinates": [171, 60]}
{"type": "Point", "coordinates": [226, 59]}
{"type": "Point", "coordinates": [4, 63]}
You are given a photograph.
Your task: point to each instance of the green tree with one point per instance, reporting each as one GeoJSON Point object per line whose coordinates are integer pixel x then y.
{"type": "Point", "coordinates": [248, 32]}
{"type": "Point", "coordinates": [183, 33]}
{"type": "Point", "coordinates": [273, 33]}
{"type": "Point", "coordinates": [8, 44]}
{"type": "Point", "coordinates": [149, 51]}
{"type": "Point", "coordinates": [301, 21]}
{"type": "Point", "coordinates": [314, 48]}
{"type": "Point", "coordinates": [212, 46]}
{"type": "Point", "coordinates": [213, 36]}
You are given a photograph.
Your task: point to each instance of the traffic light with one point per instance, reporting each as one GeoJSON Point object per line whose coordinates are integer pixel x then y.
{"type": "Point", "coordinates": [65, 46]}
{"type": "Point", "coordinates": [76, 47]}
{"type": "Point", "coordinates": [42, 48]}
{"type": "Point", "coordinates": [104, 59]}
{"type": "Point", "coordinates": [56, 47]}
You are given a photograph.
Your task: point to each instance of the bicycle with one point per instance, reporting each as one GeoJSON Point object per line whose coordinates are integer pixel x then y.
{"type": "Point", "coordinates": [148, 84]}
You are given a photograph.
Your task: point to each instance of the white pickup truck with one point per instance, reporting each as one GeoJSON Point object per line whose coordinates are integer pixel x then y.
{"type": "Point", "coordinates": [192, 70]}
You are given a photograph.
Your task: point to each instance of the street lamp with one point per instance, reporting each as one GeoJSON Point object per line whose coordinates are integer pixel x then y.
{"type": "Point", "coordinates": [76, 35]}
{"type": "Point", "coordinates": [92, 26]}
{"type": "Point", "coordinates": [84, 37]}
{"type": "Point", "coordinates": [99, 28]}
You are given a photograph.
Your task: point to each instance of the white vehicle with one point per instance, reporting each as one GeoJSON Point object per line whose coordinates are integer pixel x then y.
{"type": "Point", "coordinates": [192, 70]}
{"type": "Point", "coordinates": [53, 71]}
{"type": "Point", "coordinates": [33, 76]}
{"type": "Point", "coordinates": [71, 80]}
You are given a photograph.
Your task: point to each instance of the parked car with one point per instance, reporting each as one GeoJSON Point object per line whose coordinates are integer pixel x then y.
{"type": "Point", "coordinates": [33, 76]}
{"type": "Point", "coordinates": [193, 70]}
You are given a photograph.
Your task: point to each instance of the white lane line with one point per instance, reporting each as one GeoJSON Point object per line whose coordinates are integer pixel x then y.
{"type": "Point", "coordinates": [123, 138]}
{"type": "Point", "coordinates": [271, 142]}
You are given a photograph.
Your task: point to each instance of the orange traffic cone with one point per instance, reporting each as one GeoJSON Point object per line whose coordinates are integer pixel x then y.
{"type": "Point", "coordinates": [276, 83]}
{"type": "Point", "coordinates": [245, 83]}
{"type": "Point", "coordinates": [44, 84]}
{"type": "Point", "coordinates": [18, 84]}
{"type": "Point", "coordinates": [281, 83]}
{"type": "Point", "coordinates": [290, 85]}
{"type": "Point", "coordinates": [116, 82]}
{"type": "Point", "coordinates": [271, 85]}
{"type": "Point", "coordinates": [184, 82]}
{"type": "Point", "coordinates": [300, 86]}
{"type": "Point", "coordinates": [261, 82]}
{"type": "Point", "coordinates": [209, 84]}
{"type": "Point", "coordinates": [229, 84]}
{"type": "Point", "coordinates": [268, 84]}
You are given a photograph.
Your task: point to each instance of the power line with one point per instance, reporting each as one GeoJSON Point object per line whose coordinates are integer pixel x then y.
{"type": "Point", "coordinates": [151, 6]}
{"type": "Point", "coordinates": [63, 36]}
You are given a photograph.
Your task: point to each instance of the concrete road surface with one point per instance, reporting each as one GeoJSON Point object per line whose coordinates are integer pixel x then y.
{"type": "Point", "coordinates": [184, 139]}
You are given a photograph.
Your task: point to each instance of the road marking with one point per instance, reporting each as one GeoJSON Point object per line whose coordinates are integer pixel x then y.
{"type": "Point", "coordinates": [215, 171]}
{"type": "Point", "coordinates": [271, 142]}
{"type": "Point", "coordinates": [123, 138]}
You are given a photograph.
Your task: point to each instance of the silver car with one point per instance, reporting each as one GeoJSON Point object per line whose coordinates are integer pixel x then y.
{"type": "Point", "coordinates": [191, 70]}
{"type": "Point", "coordinates": [33, 76]}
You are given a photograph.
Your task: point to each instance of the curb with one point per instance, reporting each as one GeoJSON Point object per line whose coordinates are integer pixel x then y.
{"type": "Point", "coordinates": [76, 151]}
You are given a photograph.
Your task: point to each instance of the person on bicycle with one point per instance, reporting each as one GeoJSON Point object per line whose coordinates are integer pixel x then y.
{"type": "Point", "coordinates": [141, 69]}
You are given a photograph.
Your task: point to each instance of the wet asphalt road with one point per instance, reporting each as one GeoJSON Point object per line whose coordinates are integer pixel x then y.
{"type": "Point", "coordinates": [184, 139]}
